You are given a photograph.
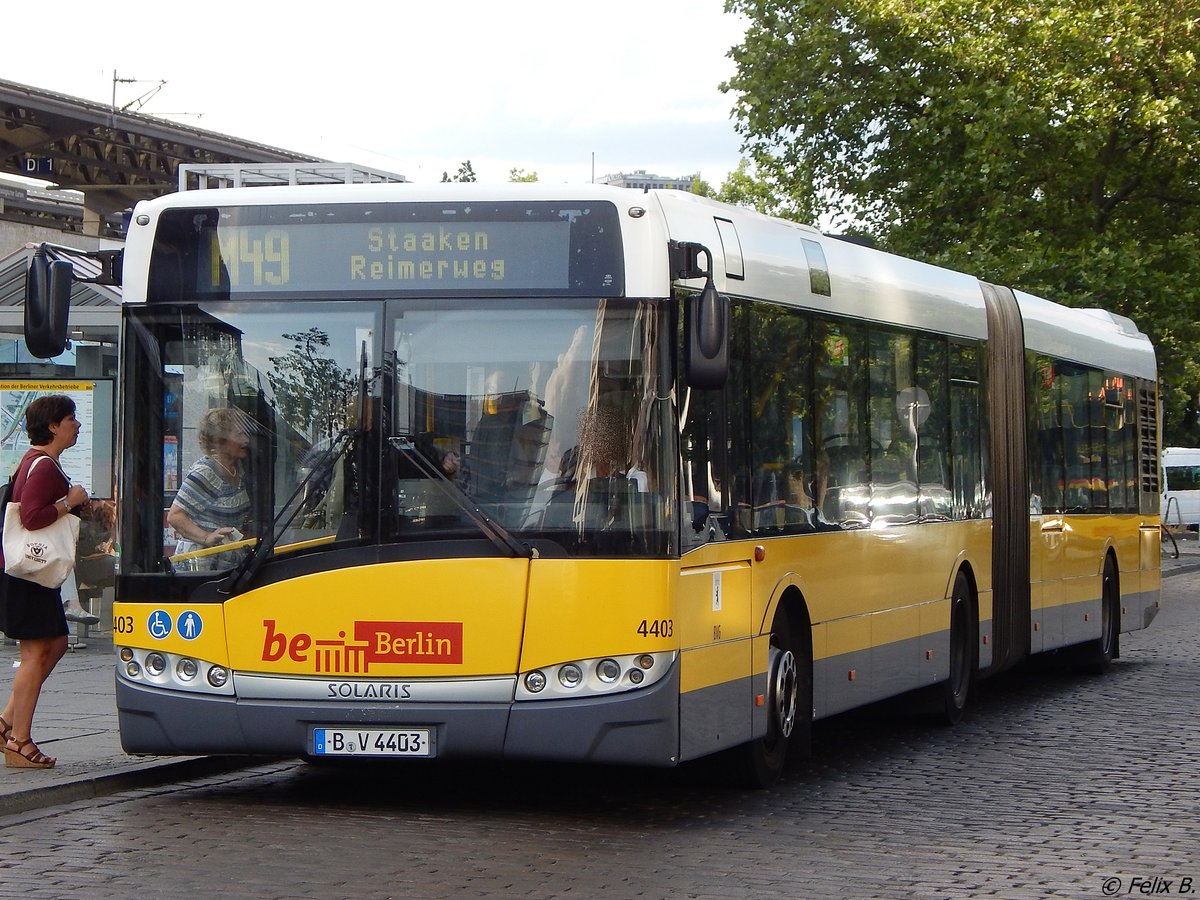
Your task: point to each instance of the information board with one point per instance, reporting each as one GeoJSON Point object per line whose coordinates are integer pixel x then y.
{"type": "Point", "coordinates": [90, 461]}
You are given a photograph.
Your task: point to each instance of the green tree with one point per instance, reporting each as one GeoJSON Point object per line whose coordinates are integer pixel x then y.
{"type": "Point", "coordinates": [466, 172]}
{"type": "Point", "coordinates": [758, 187]}
{"type": "Point", "coordinates": [313, 393]}
{"type": "Point", "coordinates": [1052, 146]}
{"type": "Point", "coordinates": [515, 174]}
{"type": "Point", "coordinates": [746, 187]}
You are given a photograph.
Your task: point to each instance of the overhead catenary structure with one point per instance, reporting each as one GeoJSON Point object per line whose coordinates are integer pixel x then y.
{"type": "Point", "coordinates": [114, 157]}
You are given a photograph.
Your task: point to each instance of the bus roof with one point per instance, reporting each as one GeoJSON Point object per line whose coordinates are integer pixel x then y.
{"type": "Point", "coordinates": [754, 256]}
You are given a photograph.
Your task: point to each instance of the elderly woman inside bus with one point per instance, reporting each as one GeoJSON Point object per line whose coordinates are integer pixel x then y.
{"type": "Point", "coordinates": [212, 505]}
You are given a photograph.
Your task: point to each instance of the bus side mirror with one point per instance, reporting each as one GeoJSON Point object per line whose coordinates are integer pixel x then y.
{"type": "Point", "coordinates": [47, 305]}
{"type": "Point", "coordinates": [706, 338]}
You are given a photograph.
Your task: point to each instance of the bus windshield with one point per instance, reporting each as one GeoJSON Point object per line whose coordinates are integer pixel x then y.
{"type": "Point", "coordinates": [542, 416]}
{"type": "Point", "coordinates": [324, 425]}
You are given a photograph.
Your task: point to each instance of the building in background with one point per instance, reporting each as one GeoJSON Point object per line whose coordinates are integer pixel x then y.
{"type": "Point", "coordinates": [639, 179]}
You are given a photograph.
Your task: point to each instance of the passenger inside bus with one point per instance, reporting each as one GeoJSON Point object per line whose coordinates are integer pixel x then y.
{"type": "Point", "coordinates": [212, 505]}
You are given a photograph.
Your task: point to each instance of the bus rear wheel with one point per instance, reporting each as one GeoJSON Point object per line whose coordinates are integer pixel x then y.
{"type": "Point", "coordinates": [1096, 656]}
{"type": "Point", "coordinates": [964, 654]}
{"type": "Point", "coordinates": [789, 709]}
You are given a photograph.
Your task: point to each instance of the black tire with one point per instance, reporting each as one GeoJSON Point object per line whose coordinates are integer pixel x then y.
{"type": "Point", "coordinates": [964, 653]}
{"type": "Point", "coordinates": [1096, 656]}
{"type": "Point", "coordinates": [789, 710]}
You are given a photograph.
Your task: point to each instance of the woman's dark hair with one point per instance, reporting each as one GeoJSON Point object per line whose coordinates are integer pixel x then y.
{"type": "Point", "coordinates": [44, 412]}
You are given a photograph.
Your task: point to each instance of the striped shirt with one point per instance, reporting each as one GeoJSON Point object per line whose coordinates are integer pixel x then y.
{"type": "Point", "coordinates": [210, 501]}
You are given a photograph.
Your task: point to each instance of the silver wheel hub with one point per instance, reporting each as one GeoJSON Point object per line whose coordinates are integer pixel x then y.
{"type": "Point", "coordinates": [784, 688]}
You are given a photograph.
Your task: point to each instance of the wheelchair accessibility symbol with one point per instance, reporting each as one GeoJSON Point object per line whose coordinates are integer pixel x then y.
{"type": "Point", "coordinates": [159, 624]}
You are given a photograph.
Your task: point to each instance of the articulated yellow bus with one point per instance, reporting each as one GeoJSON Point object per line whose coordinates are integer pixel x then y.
{"type": "Point", "coordinates": [589, 474]}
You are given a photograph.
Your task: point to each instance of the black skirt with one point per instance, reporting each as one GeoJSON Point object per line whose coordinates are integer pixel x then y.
{"type": "Point", "coordinates": [31, 611]}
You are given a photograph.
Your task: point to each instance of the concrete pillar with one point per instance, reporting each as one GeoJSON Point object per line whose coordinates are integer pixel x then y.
{"type": "Point", "coordinates": [94, 208]}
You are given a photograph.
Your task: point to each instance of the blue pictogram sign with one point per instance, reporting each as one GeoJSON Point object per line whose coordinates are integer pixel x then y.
{"type": "Point", "coordinates": [159, 624]}
{"type": "Point", "coordinates": [189, 625]}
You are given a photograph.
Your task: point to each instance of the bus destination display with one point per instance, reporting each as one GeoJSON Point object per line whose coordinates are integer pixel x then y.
{"type": "Point", "coordinates": [342, 256]}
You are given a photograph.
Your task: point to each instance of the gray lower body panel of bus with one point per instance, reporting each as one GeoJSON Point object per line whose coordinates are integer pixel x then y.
{"type": "Point", "coordinates": [636, 727]}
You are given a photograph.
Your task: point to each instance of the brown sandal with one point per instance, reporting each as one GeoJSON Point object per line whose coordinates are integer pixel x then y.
{"type": "Point", "coordinates": [5, 730]}
{"type": "Point", "coordinates": [16, 756]}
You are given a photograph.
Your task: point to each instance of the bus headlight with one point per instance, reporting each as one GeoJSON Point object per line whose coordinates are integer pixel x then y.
{"type": "Point", "coordinates": [582, 678]}
{"type": "Point", "coordinates": [570, 675]}
{"type": "Point", "coordinates": [186, 669]}
{"type": "Point", "coordinates": [535, 682]}
{"type": "Point", "coordinates": [170, 671]}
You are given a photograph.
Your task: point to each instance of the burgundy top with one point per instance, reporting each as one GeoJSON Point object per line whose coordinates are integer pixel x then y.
{"type": "Point", "coordinates": [37, 493]}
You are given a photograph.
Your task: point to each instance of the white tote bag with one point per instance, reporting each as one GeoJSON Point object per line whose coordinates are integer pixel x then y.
{"type": "Point", "coordinates": [45, 556]}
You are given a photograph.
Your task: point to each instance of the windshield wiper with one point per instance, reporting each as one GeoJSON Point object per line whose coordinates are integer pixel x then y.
{"type": "Point", "coordinates": [495, 532]}
{"type": "Point", "coordinates": [240, 577]}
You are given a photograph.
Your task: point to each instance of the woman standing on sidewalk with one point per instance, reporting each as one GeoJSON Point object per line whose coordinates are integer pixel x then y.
{"type": "Point", "coordinates": [35, 613]}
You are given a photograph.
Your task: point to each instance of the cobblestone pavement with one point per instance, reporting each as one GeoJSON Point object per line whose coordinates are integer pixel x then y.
{"type": "Point", "coordinates": [1057, 784]}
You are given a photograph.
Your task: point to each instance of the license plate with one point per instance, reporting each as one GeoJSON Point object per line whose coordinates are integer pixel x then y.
{"type": "Point", "coordinates": [372, 742]}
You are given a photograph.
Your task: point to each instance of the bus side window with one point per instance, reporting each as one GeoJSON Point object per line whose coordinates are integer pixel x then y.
{"type": "Point", "coordinates": [840, 370]}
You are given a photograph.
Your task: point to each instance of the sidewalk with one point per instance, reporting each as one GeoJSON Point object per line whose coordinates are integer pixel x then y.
{"type": "Point", "coordinates": [77, 722]}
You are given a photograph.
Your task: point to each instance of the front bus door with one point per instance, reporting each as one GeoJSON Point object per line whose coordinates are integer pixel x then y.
{"type": "Point", "coordinates": [715, 609]}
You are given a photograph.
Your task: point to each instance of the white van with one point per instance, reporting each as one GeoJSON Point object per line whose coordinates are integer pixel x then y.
{"type": "Point", "coordinates": [1181, 486]}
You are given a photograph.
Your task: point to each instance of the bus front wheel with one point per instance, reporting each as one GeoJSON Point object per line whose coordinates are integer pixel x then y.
{"type": "Point", "coordinates": [789, 709]}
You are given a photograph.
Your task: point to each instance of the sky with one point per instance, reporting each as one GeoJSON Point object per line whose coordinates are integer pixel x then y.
{"type": "Point", "coordinates": [556, 87]}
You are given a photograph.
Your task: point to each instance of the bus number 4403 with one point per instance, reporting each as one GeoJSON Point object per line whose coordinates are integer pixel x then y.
{"type": "Point", "coordinates": [660, 628]}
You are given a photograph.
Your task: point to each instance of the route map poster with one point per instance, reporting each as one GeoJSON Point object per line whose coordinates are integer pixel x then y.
{"type": "Point", "coordinates": [90, 461]}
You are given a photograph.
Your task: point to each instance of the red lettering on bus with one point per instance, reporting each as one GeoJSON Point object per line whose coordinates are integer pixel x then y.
{"type": "Point", "coordinates": [275, 643]}
{"type": "Point", "coordinates": [412, 642]}
{"type": "Point", "coordinates": [381, 642]}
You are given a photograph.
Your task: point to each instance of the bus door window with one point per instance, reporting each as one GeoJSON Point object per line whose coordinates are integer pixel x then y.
{"type": "Point", "coordinates": [710, 483]}
{"type": "Point", "coordinates": [933, 429]}
{"type": "Point", "coordinates": [967, 437]}
{"type": "Point", "coordinates": [1047, 474]}
{"type": "Point", "coordinates": [703, 476]}
{"type": "Point", "coordinates": [783, 479]}
{"type": "Point", "coordinates": [840, 381]}
{"type": "Point", "coordinates": [897, 409]}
